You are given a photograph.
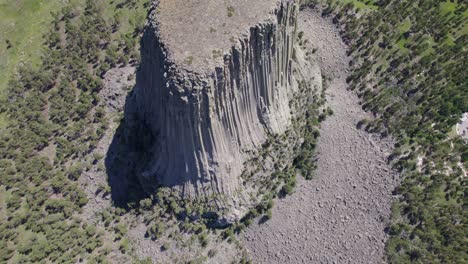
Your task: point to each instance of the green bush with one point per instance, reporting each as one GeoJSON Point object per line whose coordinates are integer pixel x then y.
{"type": "Point", "coordinates": [155, 230]}
{"type": "Point", "coordinates": [124, 245]}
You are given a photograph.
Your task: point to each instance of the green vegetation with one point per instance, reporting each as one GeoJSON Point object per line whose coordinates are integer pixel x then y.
{"type": "Point", "coordinates": [230, 10]}
{"type": "Point", "coordinates": [189, 60]}
{"type": "Point", "coordinates": [50, 127]}
{"type": "Point", "coordinates": [54, 124]}
{"type": "Point", "coordinates": [217, 53]}
{"type": "Point", "coordinates": [305, 160]}
{"type": "Point", "coordinates": [22, 26]}
{"type": "Point", "coordinates": [409, 70]}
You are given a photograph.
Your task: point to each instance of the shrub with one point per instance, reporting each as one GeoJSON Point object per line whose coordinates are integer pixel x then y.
{"type": "Point", "coordinates": [230, 11]}
{"type": "Point", "coordinates": [268, 215]}
{"type": "Point", "coordinates": [155, 230]}
{"type": "Point", "coordinates": [75, 171]}
{"type": "Point", "coordinates": [203, 238]}
{"type": "Point", "coordinates": [146, 203]}
{"type": "Point", "coordinates": [166, 245]}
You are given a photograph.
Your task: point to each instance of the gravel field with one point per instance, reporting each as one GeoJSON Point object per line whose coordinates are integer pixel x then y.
{"type": "Point", "coordinates": [340, 215]}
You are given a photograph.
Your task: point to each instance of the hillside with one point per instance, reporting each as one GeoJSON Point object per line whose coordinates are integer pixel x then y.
{"type": "Point", "coordinates": [55, 118]}
{"type": "Point", "coordinates": [280, 131]}
{"type": "Point", "coordinates": [23, 24]}
{"type": "Point", "coordinates": [409, 72]}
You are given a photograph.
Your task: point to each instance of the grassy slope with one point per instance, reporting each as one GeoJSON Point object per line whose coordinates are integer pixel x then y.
{"type": "Point", "coordinates": [22, 23]}
{"type": "Point", "coordinates": [22, 26]}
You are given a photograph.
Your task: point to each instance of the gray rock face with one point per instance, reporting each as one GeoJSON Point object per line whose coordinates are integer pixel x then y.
{"type": "Point", "coordinates": [207, 123]}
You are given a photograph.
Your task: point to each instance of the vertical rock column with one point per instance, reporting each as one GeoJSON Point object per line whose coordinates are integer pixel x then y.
{"type": "Point", "coordinates": [206, 126]}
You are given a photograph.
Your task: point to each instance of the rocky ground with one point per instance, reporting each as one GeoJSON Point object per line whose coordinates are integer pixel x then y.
{"type": "Point", "coordinates": [340, 215]}
{"type": "Point", "coordinates": [462, 127]}
{"type": "Point", "coordinates": [117, 83]}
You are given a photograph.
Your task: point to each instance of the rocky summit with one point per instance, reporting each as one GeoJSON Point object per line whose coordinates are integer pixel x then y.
{"type": "Point", "coordinates": [216, 79]}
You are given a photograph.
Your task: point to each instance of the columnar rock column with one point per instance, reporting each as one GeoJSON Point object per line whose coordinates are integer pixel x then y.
{"type": "Point", "coordinates": [215, 80]}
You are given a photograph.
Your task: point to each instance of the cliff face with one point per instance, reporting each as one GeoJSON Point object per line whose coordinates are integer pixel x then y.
{"type": "Point", "coordinates": [207, 123]}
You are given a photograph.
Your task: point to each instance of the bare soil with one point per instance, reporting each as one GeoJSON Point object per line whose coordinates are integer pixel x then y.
{"type": "Point", "coordinates": [116, 85]}
{"type": "Point", "coordinates": [340, 215]}
{"type": "Point", "coordinates": [462, 127]}
{"type": "Point", "coordinates": [198, 33]}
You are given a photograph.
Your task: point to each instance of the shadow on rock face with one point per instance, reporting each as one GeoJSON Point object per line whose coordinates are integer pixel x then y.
{"type": "Point", "coordinates": [124, 158]}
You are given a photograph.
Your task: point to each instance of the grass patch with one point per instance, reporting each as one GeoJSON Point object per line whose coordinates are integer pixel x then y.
{"type": "Point", "coordinates": [24, 22]}
{"type": "Point", "coordinates": [447, 7]}
{"type": "Point", "coordinates": [364, 5]}
{"type": "Point", "coordinates": [3, 198]}
{"type": "Point", "coordinates": [230, 11]}
{"type": "Point", "coordinates": [3, 121]}
{"type": "Point", "coordinates": [401, 44]}
{"type": "Point", "coordinates": [189, 60]}
{"type": "Point", "coordinates": [405, 26]}
{"type": "Point", "coordinates": [22, 25]}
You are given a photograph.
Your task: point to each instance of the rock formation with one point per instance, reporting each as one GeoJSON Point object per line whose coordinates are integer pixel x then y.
{"type": "Point", "coordinates": [216, 79]}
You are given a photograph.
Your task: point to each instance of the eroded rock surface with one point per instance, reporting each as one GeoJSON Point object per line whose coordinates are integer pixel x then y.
{"type": "Point", "coordinates": [210, 99]}
{"type": "Point", "coordinates": [340, 215]}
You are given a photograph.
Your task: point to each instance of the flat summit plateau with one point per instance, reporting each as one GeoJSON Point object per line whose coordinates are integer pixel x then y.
{"type": "Point", "coordinates": [196, 33]}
